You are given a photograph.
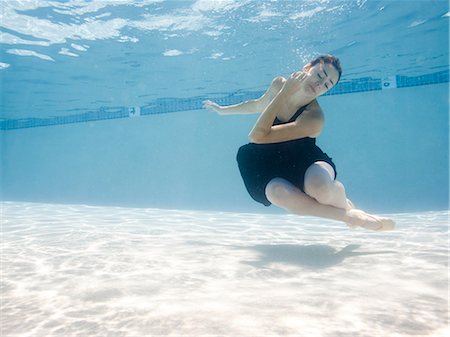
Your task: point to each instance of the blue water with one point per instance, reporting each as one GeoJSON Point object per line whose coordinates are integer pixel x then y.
{"type": "Point", "coordinates": [123, 211]}
{"type": "Point", "coordinates": [74, 73]}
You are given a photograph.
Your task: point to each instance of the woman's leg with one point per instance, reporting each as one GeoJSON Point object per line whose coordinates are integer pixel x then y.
{"type": "Point", "coordinates": [320, 184]}
{"type": "Point", "coordinates": [328, 199]}
{"type": "Point", "coordinates": [282, 193]}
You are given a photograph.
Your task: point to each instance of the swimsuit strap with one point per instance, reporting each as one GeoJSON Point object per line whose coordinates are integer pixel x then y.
{"type": "Point", "coordinates": [293, 118]}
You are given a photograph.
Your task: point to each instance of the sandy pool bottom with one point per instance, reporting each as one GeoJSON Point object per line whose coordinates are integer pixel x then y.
{"type": "Point", "coordinates": [75, 270]}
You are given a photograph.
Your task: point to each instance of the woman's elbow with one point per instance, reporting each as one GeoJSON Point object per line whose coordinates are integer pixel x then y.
{"type": "Point", "coordinates": [256, 137]}
{"type": "Point", "coordinates": [312, 131]}
{"type": "Point", "coordinates": [253, 138]}
{"type": "Point", "coordinates": [315, 133]}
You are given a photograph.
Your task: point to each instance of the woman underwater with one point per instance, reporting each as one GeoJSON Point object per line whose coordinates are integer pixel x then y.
{"type": "Point", "coordinates": [283, 165]}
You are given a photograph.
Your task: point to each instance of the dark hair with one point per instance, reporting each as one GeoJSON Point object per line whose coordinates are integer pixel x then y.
{"type": "Point", "coordinates": [330, 59]}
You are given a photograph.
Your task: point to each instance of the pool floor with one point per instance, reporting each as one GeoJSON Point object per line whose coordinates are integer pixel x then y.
{"type": "Point", "coordinates": [76, 270]}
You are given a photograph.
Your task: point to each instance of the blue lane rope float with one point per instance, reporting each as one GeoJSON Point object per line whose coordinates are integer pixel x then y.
{"type": "Point", "coordinates": [169, 105]}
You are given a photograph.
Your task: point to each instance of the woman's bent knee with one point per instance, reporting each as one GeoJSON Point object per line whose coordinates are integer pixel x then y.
{"type": "Point", "coordinates": [318, 183]}
{"type": "Point", "coordinates": [316, 186]}
{"type": "Point", "coordinates": [326, 191]}
{"type": "Point", "coordinates": [278, 189]}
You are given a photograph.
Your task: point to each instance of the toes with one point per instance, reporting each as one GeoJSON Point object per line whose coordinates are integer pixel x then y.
{"type": "Point", "coordinates": [359, 218]}
{"type": "Point", "coordinates": [388, 225]}
{"type": "Point", "coordinates": [373, 225]}
{"type": "Point", "coordinates": [380, 224]}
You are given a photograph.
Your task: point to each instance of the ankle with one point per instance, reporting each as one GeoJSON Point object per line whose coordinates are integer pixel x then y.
{"type": "Point", "coordinates": [347, 216]}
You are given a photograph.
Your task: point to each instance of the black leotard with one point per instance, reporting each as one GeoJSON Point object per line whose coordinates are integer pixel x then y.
{"type": "Point", "coordinates": [260, 163]}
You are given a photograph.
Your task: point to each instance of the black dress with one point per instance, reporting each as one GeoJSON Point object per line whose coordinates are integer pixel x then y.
{"type": "Point", "coordinates": [260, 163]}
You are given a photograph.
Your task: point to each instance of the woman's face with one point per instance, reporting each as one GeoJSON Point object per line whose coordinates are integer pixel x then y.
{"type": "Point", "coordinates": [321, 78]}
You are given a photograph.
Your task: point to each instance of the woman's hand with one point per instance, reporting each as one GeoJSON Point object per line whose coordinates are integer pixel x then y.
{"type": "Point", "coordinates": [295, 88]}
{"type": "Point", "coordinates": [212, 106]}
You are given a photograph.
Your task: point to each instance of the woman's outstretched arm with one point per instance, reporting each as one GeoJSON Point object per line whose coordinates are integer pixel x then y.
{"type": "Point", "coordinates": [251, 106]}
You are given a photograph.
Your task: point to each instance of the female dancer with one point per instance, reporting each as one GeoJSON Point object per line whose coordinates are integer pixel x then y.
{"type": "Point", "coordinates": [283, 165]}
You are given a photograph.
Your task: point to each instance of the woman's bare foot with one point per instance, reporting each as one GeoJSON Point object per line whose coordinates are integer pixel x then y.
{"type": "Point", "coordinates": [358, 218]}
